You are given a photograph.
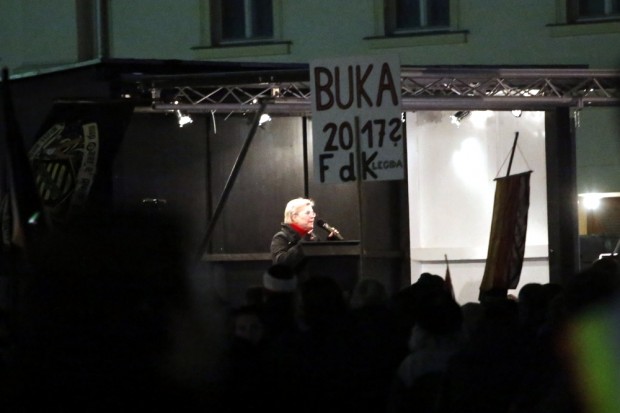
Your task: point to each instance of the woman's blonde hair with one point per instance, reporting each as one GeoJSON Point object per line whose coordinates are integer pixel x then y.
{"type": "Point", "coordinates": [293, 206]}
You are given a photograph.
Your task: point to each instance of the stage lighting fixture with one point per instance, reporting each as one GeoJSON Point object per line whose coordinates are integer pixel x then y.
{"type": "Point", "coordinates": [459, 116]}
{"type": "Point", "coordinates": [183, 119]}
{"type": "Point", "coordinates": [264, 118]}
{"type": "Point", "coordinates": [591, 201]}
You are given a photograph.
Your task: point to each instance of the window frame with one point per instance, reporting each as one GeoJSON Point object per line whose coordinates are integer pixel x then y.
{"type": "Point", "coordinates": [573, 15]}
{"type": "Point", "coordinates": [390, 26]}
{"type": "Point", "coordinates": [566, 25]}
{"type": "Point", "coordinates": [212, 34]}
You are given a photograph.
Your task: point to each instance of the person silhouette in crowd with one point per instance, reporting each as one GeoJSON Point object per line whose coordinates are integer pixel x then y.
{"type": "Point", "coordinates": [280, 301]}
{"type": "Point", "coordinates": [377, 329]}
{"type": "Point", "coordinates": [94, 319]}
{"type": "Point", "coordinates": [405, 306]}
{"type": "Point", "coordinates": [247, 359]}
{"type": "Point", "coordinates": [316, 369]}
{"type": "Point", "coordinates": [368, 293]}
{"type": "Point", "coordinates": [587, 342]}
{"type": "Point", "coordinates": [435, 337]}
{"type": "Point", "coordinates": [485, 374]}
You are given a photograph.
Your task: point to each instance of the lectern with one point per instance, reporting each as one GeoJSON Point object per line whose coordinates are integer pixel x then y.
{"type": "Point", "coordinates": [337, 259]}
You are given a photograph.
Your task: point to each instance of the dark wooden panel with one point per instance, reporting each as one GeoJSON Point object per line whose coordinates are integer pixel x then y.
{"type": "Point", "coordinates": [270, 175]}
{"type": "Point", "coordinates": [159, 160]}
{"type": "Point", "coordinates": [385, 216]}
{"type": "Point", "coordinates": [562, 215]}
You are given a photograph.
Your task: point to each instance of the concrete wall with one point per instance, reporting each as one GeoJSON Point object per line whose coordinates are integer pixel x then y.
{"type": "Point", "coordinates": [509, 33]}
{"type": "Point", "coordinates": [38, 34]}
{"type": "Point", "coordinates": [35, 34]}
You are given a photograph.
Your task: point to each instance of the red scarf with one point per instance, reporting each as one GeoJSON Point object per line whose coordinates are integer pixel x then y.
{"type": "Point", "coordinates": [302, 232]}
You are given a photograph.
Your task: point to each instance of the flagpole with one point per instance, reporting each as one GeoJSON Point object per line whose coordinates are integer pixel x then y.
{"type": "Point", "coordinates": [512, 153]}
{"type": "Point", "coordinates": [448, 278]}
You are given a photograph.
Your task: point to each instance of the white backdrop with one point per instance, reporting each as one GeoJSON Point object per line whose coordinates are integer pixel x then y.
{"type": "Point", "coordinates": [451, 172]}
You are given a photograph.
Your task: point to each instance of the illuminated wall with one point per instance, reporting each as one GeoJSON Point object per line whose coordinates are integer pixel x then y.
{"type": "Point", "coordinates": [451, 188]}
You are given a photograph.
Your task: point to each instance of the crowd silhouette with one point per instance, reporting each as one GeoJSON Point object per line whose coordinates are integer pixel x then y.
{"type": "Point", "coordinates": [418, 350]}
{"type": "Point", "coordinates": [96, 332]}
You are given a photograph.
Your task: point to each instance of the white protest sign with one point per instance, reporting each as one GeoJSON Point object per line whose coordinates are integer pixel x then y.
{"type": "Point", "coordinates": [356, 101]}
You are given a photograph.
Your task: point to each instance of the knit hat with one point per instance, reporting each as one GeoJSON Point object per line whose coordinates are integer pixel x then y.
{"type": "Point", "coordinates": [280, 278]}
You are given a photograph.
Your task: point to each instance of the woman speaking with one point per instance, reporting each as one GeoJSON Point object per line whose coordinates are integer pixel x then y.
{"type": "Point", "coordinates": [298, 226]}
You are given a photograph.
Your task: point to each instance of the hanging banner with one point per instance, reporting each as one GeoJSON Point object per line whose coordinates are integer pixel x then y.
{"type": "Point", "coordinates": [508, 230]}
{"type": "Point", "coordinates": [357, 125]}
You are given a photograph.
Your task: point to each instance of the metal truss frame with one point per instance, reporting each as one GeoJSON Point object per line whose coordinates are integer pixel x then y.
{"type": "Point", "coordinates": [288, 92]}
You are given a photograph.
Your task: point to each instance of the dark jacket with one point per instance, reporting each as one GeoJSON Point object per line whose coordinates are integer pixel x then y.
{"type": "Point", "coordinates": [286, 247]}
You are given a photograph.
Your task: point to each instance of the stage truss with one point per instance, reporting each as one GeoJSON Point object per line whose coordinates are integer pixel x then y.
{"type": "Point", "coordinates": [288, 92]}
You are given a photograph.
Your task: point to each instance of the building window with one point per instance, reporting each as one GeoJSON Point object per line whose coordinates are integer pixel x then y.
{"type": "Point", "coordinates": [592, 10]}
{"type": "Point", "coordinates": [407, 16]}
{"type": "Point", "coordinates": [241, 21]}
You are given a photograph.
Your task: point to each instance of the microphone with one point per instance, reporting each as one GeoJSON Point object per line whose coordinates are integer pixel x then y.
{"type": "Point", "coordinates": [329, 228]}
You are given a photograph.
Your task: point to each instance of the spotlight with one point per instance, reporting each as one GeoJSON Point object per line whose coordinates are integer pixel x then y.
{"type": "Point", "coordinates": [264, 118]}
{"type": "Point", "coordinates": [183, 119]}
{"type": "Point", "coordinates": [591, 201]}
{"type": "Point", "coordinates": [459, 116]}
{"type": "Point", "coordinates": [517, 113]}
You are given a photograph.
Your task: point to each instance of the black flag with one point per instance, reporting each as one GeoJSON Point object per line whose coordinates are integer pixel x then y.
{"type": "Point", "coordinates": [73, 154]}
{"type": "Point", "coordinates": [23, 217]}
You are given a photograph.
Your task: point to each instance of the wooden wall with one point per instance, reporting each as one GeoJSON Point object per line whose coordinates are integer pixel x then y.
{"type": "Point", "coordinates": [188, 169]}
